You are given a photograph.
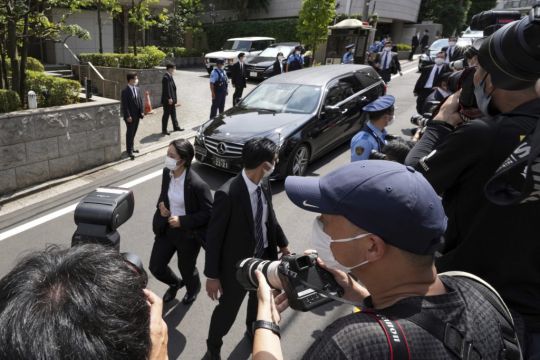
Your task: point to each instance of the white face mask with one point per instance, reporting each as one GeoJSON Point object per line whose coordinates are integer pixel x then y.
{"type": "Point", "coordinates": [391, 120]}
{"type": "Point", "coordinates": [387, 48]}
{"type": "Point", "coordinates": [451, 43]}
{"type": "Point", "coordinates": [170, 163]}
{"type": "Point", "coordinates": [136, 82]}
{"type": "Point", "coordinates": [321, 243]}
{"type": "Point", "coordinates": [280, 58]}
{"type": "Point", "coordinates": [269, 172]}
{"type": "Point", "coordinates": [297, 52]}
{"type": "Point", "coordinates": [439, 61]}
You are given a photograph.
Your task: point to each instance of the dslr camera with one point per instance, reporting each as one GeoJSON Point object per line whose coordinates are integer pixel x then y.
{"type": "Point", "coordinates": [306, 284]}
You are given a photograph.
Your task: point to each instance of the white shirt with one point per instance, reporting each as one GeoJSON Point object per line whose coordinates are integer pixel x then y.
{"type": "Point", "coordinates": [386, 59]}
{"type": "Point", "coordinates": [449, 53]}
{"type": "Point", "coordinates": [252, 191]}
{"type": "Point", "coordinates": [176, 195]}
{"type": "Point", "coordinates": [431, 78]}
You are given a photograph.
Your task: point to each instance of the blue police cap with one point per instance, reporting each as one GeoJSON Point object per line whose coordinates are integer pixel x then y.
{"type": "Point", "coordinates": [220, 61]}
{"type": "Point", "coordinates": [350, 46]}
{"type": "Point", "coordinates": [382, 103]}
{"type": "Point", "coordinates": [385, 198]}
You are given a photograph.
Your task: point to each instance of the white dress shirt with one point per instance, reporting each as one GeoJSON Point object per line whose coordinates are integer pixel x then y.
{"type": "Point", "coordinates": [176, 195]}
{"type": "Point", "coordinates": [252, 190]}
{"type": "Point", "coordinates": [431, 78]}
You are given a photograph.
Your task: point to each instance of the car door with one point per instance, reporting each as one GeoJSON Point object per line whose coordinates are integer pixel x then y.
{"type": "Point", "coordinates": [351, 107]}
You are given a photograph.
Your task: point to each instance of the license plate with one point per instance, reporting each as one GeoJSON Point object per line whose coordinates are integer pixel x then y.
{"type": "Point", "coordinates": [200, 150]}
{"type": "Point", "coordinates": [222, 163]}
{"type": "Point", "coordinates": [253, 74]}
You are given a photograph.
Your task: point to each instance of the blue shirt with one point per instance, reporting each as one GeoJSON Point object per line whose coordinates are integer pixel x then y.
{"type": "Point", "coordinates": [348, 58]}
{"type": "Point", "coordinates": [214, 76]}
{"type": "Point", "coordinates": [363, 142]}
{"type": "Point", "coordinates": [293, 57]}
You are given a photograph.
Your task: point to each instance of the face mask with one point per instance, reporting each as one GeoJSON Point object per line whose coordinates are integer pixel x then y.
{"type": "Point", "coordinates": [297, 52]}
{"type": "Point", "coordinates": [387, 49]}
{"type": "Point", "coordinates": [269, 172]}
{"type": "Point", "coordinates": [482, 99]}
{"type": "Point", "coordinates": [170, 163]}
{"type": "Point", "coordinates": [452, 43]}
{"type": "Point", "coordinates": [439, 61]}
{"type": "Point", "coordinates": [280, 58]}
{"type": "Point", "coordinates": [136, 82]}
{"type": "Point", "coordinates": [241, 60]}
{"type": "Point", "coordinates": [321, 243]}
{"type": "Point", "coordinates": [391, 120]}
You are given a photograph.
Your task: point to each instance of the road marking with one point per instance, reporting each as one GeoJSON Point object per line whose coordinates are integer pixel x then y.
{"type": "Point", "coordinates": [405, 72]}
{"type": "Point", "coordinates": [66, 210]}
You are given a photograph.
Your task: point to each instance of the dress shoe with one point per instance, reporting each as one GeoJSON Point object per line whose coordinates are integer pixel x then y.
{"type": "Point", "coordinates": [131, 156]}
{"type": "Point", "coordinates": [190, 298]}
{"type": "Point", "coordinates": [178, 129]}
{"type": "Point", "coordinates": [136, 151]}
{"type": "Point", "coordinates": [170, 294]}
{"type": "Point", "coordinates": [165, 133]}
{"type": "Point", "coordinates": [211, 356]}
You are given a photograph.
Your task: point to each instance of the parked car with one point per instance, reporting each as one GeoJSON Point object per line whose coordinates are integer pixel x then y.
{"type": "Point", "coordinates": [262, 65]}
{"type": "Point", "coordinates": [252, 46]}
{"type": "Point", "coordinates": [307, 113]}
{"type": "Point", "coordinates": [429, 56]}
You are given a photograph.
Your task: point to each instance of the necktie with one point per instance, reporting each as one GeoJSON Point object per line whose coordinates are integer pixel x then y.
{"type": "Point", "coordinates": [134, 92]}
{"type": "Point", "coordinates": [386, 61]}
{"type": "Point", "coordinates": [259, 244]}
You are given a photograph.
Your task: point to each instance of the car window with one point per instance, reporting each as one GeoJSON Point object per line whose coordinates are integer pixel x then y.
{"type": "Point", "coordinates": [274, 50]}
{"type": "Point", "coordinates": [290, 98]}
{"type": "Point", "coordinates": [237, 45]}
{"type": "Point", "coordinates": [338, 92]}
{"type": "Point", "coordinates": [439, 44]}
{"type": "Point", "coordinates": [259, 45]}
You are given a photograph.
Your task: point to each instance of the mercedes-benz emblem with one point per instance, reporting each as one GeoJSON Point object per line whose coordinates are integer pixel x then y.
{"type": "Point", "coordinates": [222, 148]}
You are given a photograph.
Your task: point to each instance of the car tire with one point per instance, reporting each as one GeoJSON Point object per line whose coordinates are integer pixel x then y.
{"type": "Point", "coordinates": [299, 160]}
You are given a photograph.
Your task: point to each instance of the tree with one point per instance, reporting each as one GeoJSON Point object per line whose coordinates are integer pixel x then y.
{"type": "Point", "coordinates": [452, 15]}
{"type": "Point", "coordinates": [479, 6]}
{"type": "Point", "coordinates": [185, 16]}
{"type": "Point", "coordinates": [111, 7]}
{"type": "Point", "coordinates": [141, 16]}
{"type": "Point", "coordinates": [313, 20]}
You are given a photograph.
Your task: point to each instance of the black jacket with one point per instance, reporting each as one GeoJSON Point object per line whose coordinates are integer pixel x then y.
{"type": "Point", "coordinates": [457, 54]}
{"type": "Point", "coordinates": [197, 198]}
{"type": "Point", "coordinates": [395, 66]}
{"type": "Point", "coordinates": [424, 41]}
{"type": "Point", "coordinates": [168, 89]}
{"type": "Point", "coordinates": [415, 42]}
{"type": "Point", "coordinates": [277, 70]}
{"type": "Point", "coordinates": [231, 231]}
{"type": "Point", "coordinates": [424, 77]}
{"type": "Point", "coordinates": [132, 107]}
{"type": "Point", "coordinates": [238, 78]}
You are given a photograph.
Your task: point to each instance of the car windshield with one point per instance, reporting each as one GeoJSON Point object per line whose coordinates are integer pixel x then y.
{"type": "Point", "coordinates": [283, 98]}
{"type": "Point", "coordinates": [237, 45]}
{"type": "Point", "coordinates": [438, 44]}
{"type": "Point", "coordinates": [272, 52]}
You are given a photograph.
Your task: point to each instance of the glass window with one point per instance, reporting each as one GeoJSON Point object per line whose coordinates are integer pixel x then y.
{"type": "Point", "coordinates": [288, 98]}
{"type": "Point", "coordinates": [338, 92]}
{"type": "Point", "coordinates": [237, 45]}
{"type": "Point", "coordinates": [274, 50]}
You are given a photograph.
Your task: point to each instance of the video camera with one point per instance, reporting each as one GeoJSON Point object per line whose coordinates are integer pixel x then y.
{"type": "Point", "coordinates": [306, 284]}
{"type": "Point", "coordinates": [492, 20]}
{"type": "Point", "coordinates": [98, 216]}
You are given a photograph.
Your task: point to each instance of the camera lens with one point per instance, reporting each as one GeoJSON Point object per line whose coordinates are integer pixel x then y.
{"type": "Point", "coordinates": [245, 273]}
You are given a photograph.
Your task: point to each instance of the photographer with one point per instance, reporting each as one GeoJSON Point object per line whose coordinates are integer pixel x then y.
{"type": "Point", "coordinates": [85, 302]}
{"type": "Point", "coordinates": [498, 243]}
{"type": "Point", "coordinates": [382, 222]}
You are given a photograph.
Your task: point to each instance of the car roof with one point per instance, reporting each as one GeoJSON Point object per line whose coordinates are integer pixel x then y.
{"type": "Point", "coordinates": [318, 75]}
{"type": "Point", "coordinates": [285, 44]}
{"type": "Point", "coordinates": [252, 38]}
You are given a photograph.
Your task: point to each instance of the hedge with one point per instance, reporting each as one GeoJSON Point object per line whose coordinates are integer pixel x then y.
{"type": "Point", "coordinates": [9, 101]}
{"type": "Point", "coordinates": [32, 64]}
{"type": "Point", "coordinates": [404, 47]}
{"type": "Point", "coordinates": [282, 30]}
{"type": "Point", "coordinates": [52, 90]}
{"type": "Point", "coordinates": [183, 52]}
{"type": "Point", "coordinates": [148, 58]}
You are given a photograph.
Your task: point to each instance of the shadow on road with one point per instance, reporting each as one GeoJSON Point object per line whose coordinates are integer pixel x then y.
{"type": "Point", "coordinates": [241, 351]}
{"type": "Point", "coordinates": [152, 138]}
{"type": "Point", "coordinates": [174, 313]}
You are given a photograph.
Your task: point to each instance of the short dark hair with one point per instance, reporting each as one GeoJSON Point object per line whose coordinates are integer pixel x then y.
{"type": "Point", "coordinates": [131, 75]}
{"type": "Point", "coordinates": [185, 150]}
{"type": "Point", "coordinates": [241, 54]}
{"type": "Point", "coordinates": [279, 53]}
{"type": "Point", "coordinates": [84, 302]}
{"type": "Point", "coordinates": [397, 150]}
{"type": "Point", "coordinates": [257, 151]}
{"type": "Point", "coordinates": [376, 115]}
{"type": "Point", "coordinates": [170, 66]}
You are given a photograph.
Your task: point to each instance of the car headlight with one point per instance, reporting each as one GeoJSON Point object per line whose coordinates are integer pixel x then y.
{"type": "Point", "coordinates": [200, 134]}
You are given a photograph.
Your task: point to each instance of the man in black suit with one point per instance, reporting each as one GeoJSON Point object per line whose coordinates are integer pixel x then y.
{"type": "Point", "coordinates": [169, 100]}
{"type": "Point", "coordinates": [132, 110]}
{"type": "Point", "coordinates": [424, 42]}
{"type": "Point", "coordinates": [414, 45]}
{"type": "Point", "coordinates": [452, 51]}
{"type": "Point", "coordinates": [238, 78]}
{"type": "Point", "coordinates": [183, 211]}
{"type": "Point", "coordinates": [387, 62]}
{"type": "Point", "coordinates": [243, 225]}
{"type": "Point", "coordinates": [428, 79]}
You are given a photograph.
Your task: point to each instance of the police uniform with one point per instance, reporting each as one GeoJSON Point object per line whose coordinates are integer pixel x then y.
{"type": "Point", "coordinates": [348, 57]}
{"type": "Point", "coordinates": [295, 62]}
{"type": "Point", "coordinates": [371, 138]}
{"type": "Point", "coordinates": [219, 79]}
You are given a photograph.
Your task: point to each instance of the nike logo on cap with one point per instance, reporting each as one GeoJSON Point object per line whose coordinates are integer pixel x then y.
{"type": "Point", "coordinates": [306, 204]}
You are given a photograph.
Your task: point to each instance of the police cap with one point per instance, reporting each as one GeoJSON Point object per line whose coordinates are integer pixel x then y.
{"type": "Point", "coordinates": [350, 46]}
{"type": "Point", "coordinates": [220, 62]}
{"type": "Point", "coordinates": [382, 103]}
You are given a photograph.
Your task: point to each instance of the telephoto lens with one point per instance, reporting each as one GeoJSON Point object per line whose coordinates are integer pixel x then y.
{"type": "Point", "coordinates": [245, 273]}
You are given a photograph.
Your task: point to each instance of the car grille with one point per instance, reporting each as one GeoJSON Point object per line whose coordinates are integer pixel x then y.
{"type": "Point", "coordinates": [255, 68]}
{"type": "Point", "coordinates": [223, 148]}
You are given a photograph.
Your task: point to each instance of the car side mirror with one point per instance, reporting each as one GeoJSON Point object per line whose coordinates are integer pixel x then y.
{"type": "Point", "coordinates": [331, 109]}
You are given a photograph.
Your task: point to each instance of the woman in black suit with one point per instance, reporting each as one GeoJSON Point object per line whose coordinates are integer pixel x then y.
{"type": "Point", "coordinates": [183, 212]}
{"type": "Point", "coordinates": [279, 68]}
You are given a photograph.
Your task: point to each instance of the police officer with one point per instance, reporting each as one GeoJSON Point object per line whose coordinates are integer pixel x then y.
{"type": "Point", "coordinates": [219, 88]}
{"type": "Point", "coordinates": [295, 61]}
{"type": "Point", "coordinates": [348, 57]}
{"type": "Point", "coordinates": [373, 135]}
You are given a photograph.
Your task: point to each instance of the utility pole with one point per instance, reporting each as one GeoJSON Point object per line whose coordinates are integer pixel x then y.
{"type": "Point", "coordinates": [365, 14]}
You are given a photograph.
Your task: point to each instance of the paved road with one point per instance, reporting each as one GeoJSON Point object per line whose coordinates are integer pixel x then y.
{"type": "Point", "coordinates": [188, 326]}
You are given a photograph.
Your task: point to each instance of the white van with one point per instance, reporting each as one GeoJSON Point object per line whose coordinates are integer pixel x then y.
{"type": "Point", "coordinates": [251, 46]}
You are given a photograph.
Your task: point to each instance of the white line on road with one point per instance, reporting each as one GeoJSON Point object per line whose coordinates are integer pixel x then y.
{"type": "Point", "coordinates": [405, 72]}
{"type": "Point", "coordinates": [66, 210]}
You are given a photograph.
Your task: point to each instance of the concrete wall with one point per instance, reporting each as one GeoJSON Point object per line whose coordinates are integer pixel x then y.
{"type": "Point", "coordinates": [44, 144]}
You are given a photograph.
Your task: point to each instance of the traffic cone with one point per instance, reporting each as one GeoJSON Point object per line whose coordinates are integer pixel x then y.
{"type": "Point", "coordinates": [148, 103]}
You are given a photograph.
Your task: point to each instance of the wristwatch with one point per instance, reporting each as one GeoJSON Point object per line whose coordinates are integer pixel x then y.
{"type": "Point", "coordinates": [262, 324]}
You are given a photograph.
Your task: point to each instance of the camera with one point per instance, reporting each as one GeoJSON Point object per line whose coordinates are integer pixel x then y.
{"type": "Point", "coordinates": [421, 120]}
{"type": "Point", "coordinates": [492, 20]}
{"type": "Point", "coordinates": [306, 284]}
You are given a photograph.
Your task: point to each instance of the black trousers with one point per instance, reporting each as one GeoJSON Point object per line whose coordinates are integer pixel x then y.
{"type": "Point", "coordinates": [218, 103]}
{"type": "Point", "coordinates": [187, 247]}
{"type": "Point", "coordinates": [130, 133]}
{"type": "Point", "coordinates": [226, 311]}
{"type": "Point", "coordinates": [169, 110]}
{"type": "Point", "coordinates": [421, 99]}
{"type": "Point", "coordinates": [238, 91]}
{"type": "Point", "coordinates": [413, 51]}
{"type": "Point", "coordinates": [386, 75]}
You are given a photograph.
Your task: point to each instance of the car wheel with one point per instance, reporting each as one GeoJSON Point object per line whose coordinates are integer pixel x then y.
{"type": "Point", "coordinates": [299, 161]}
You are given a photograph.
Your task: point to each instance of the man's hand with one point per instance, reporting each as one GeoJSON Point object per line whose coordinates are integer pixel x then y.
{"type": "Point", "coordinates": [284, 251]}
{"type": "Point", "coordinates": [213, 96]}
{"type": "Point", "coordinates": [214, 289]}
{"type": "Point", "coordinates": [449, 111]}
{"type": "Point", "coordinates": [353, 290]}
{"type": "Point", "coordinates": [129, 120]}
{"type": "Point", "coordinates": [171, 101]}
{"type": "Point", "coordinates": [158, 327]}
{"type": "Point", "coordinates": [267, 309]}
{"type": "Point", "coordinates": [174, 222]}
{"type": "Point", "coordinates": [163, 210]}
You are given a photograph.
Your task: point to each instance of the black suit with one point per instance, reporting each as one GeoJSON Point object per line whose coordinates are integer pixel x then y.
{"type": "Point", "coordinates": [132, 107]}
{"type": "Point", "coordinates": [278, 68]}
{"type": "Point", "coordinates": [187, 239]}
{"type": "Point", "coordinates": [238, 79]}
{"type": "Point", "coordinates": [424, 41]}
{"type": "Point", "coordinates": [420, 87]}
{"type": "Point", "coordinates": [231, 238]}
{"type": "Point", "coordinates": [456, 54]}
{"type": "Point", "coordinates": [168, 91]}
{"type": "Point", "coordinates": [393, 68]}
{"type": "Point", "coordinates": [414, 45]}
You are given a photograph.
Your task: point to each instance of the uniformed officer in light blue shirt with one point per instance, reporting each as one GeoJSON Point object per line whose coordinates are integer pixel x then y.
{"type": "Point", "coordinates": [219, 84]}
{"type": "Point", "coordinates": [373, 135]}
{"type": "Point", "coordinates": [348, 57]}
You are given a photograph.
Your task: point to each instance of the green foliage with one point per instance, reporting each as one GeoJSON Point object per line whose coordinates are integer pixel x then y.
{"type": "Point", "coordinates": [9, 101]}
{"type": "Point", "coordinates": [52, 90]}
{"type": "Point", "coordinates": [451, 15]}
{"type": "Point", "coordinates": [313, 20]}
{"type": "Point", "coordinates": [281, 30]}
{"type": "Point", "coordinates": [182, 52]}
{"type": "Point", "coordinates": [148, 57]}
{"type": "Point", "coordinates": [479, 6]}
{"type": "Point", "coordinates": [185, 16]}
{"type": "Point", "coordinates": [404, 47]}
{"type": "Point", "coordinates": [31, 64]}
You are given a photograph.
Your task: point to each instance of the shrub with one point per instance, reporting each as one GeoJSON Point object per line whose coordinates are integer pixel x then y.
{"type": "Point", "coordinates": [9, 101]}
{"type": "Point", "coordinates": [182, 52]}
{"type": "Point", "coordinates": [32, 64]}
{"type": "Point", "coordinates": [404, 47]}
{"type": "Point", "coordinates": [52, 90]}
{"type": "Point", "coordinates": [148, 57]}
